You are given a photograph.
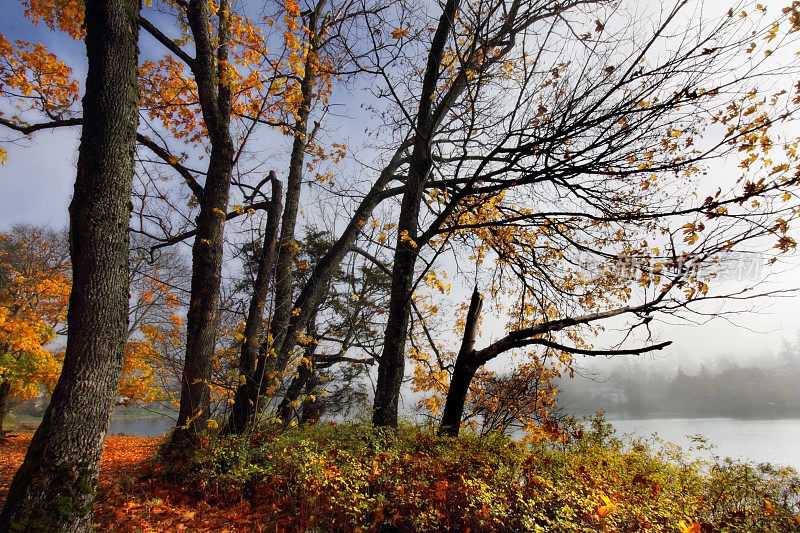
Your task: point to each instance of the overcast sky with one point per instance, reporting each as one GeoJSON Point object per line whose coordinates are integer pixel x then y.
{"type": "Point", "coordinates": [36, 184]}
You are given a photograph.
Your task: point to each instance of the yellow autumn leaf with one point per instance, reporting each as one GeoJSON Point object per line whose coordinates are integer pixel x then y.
{"type": "Point", "coordinates": [405, 238]}
{"type": "Point", "coordinates": [689, 527]}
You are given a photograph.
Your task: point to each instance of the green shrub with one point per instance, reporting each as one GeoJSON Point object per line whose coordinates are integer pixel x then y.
{"type": "Point", "coordinates": [338, 477]}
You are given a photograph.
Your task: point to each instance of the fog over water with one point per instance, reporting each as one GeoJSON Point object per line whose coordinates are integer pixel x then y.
{"type": "Point", "coordinates": [746, 405]}
{"type": "Point", "coordinates": [744, 386]}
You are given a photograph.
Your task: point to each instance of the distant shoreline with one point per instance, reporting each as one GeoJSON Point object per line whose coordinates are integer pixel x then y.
{"type": "Point", "coordinates": [649, 416]}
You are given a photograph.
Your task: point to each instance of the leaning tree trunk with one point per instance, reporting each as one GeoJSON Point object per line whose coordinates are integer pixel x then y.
{"type": "Point", "coordinates": [285, 411]}
{"type": "Point", "coordinates": [312, 406]}
{"type": "Point", "coordinates": [247, 393]}
{"type": "Point", "coordinates": [54, 488]}
{"type": "Point", "coordinates": [316, 287]}
{"type": "Point", "coordinates": [392, 363]}
{"type": "Point", "coordinates": [464, 370]}
{"type": "Point", "coordinates": [201, 320]}
{"type": "Point", "coordinates": [5, 389]}
{"type": "Point", "coordinates": [284, 283]}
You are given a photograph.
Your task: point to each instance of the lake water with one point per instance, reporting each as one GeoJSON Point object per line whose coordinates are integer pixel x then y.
{"type": "Point", "coordinates": [757, 441]}
{"type": "Point", "coordinates": [146, 427]}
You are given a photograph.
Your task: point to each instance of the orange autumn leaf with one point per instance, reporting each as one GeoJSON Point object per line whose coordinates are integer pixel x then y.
{"type": "Point", "coordinates": [607, 507]}
{"type": "Point", "coordinates": [63, 15]}
{"type": "Point", "coordinates": [689, 527]}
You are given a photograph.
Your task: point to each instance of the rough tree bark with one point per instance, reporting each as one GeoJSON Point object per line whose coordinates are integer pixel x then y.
{"type": "Point", "coordinates": [207, 251]}
{"type": "Point", "coordinates": [392, 364]}
{"type": "Point", "coordinates": [464, 370]}
{"type": "Point", "coordinates": [5, 388]}
{"type": "Point", "coordinates": [247, 392]}
{"type": "Point", "coordinates": [54, 488]}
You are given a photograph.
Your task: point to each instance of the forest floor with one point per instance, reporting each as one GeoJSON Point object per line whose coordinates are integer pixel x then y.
{"type": "Point", "coordinates": [127, 500]}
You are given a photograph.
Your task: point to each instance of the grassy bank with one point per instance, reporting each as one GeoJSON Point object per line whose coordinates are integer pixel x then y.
{"type": "Point", "coordinates": [328, 477]}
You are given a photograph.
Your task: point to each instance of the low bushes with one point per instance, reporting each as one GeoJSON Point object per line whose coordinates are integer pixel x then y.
{"type": "Point", "coordinates": [330, 477]}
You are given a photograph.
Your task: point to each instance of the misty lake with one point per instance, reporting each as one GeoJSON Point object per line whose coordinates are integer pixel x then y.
{"type": "Point", "coordinates": [144, 427]}
{"type": "Point", "coordinates": [774, 441]}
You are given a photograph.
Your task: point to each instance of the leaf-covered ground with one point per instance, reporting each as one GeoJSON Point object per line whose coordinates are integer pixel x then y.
{"type": "Point", "coordinates": [129, 499]}
{"type": "Point", "coordinates": [123, 458]}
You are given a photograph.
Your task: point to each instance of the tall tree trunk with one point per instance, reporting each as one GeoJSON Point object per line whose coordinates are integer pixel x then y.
{"type": "Point", "coordinates": [5, 389]}
{"type": "Point", "coordinates": [391, 367]}
{"type": "Point", "coordinates": [247, 392]}
{"type": "Point", "coordinates": [287, 249]}
{"type": "Point", "coordinates": [204, 300]}
{"type": "Point", "coordinates": [54, 488]}
{"type": "Point", "coordinates": [464, 370]}
{"type": "Point", "coordinates": [207, 251]}
{"type": "Point", "coordinates": [284, 286]}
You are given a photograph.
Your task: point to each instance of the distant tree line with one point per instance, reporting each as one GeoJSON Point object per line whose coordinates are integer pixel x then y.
{"type": "Point", "coordinates": [732, 390]}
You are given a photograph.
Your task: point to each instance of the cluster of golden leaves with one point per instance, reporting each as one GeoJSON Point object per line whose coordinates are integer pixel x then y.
{"type": "Point", "coordinates": [33, 303]}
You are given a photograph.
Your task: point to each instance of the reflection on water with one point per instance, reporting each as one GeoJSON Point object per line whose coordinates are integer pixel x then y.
{"type": "Point", "coordinates": [146, 427]}
{"type": "Point", "coordinates": [756, 441]}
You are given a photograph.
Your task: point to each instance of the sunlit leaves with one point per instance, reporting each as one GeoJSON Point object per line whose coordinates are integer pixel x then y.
{"type": "Point", "coordinates": [62, 15]}
{"type": "Point", "coordinates": [169, 95]}
{"type": "Point", "coordinates": [34, 292]}
{"type": "Point", "coordinates": [689, 527]}
{"type": "Point", "coordinates": [34, 79]}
